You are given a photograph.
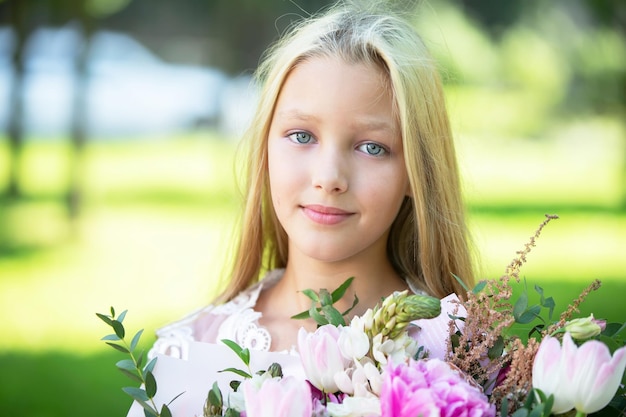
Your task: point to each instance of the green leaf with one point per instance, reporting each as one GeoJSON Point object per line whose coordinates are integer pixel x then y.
{"type": "Point", "coordinates": [311, 294]}
{"type": "Point", "coordinates": [215, 396]}
{"type": "Point", "coordinates": [118, 347]}
{"type": "Point", "coordinates": [341, 290]}
{"type": "Point", "coordinates": [232, 413]}
{"type": "Point", "coordinates": [354, 303]}
{"type": "Point", "coordinates": [174, 399]}
{"type": "Point", "coordinates": [140, 359]}
{"type": "Point", "coordinates": [460, 281]}
{"type": "Point", "coordinates": [127, 364]}
{"type": "Point", "coordinates": [137, 393]}
{"type": "Point", "coordinates": [149, 367]}
{"type": "Point", "coordinates": [522, 412]}
{"type": "Point", "coordinates": [133, 343]}
{"type": "Point", "coordinates": [132, 375]}
{"type": "Point", "coordinates": [112, 337]}
{"type": "Point", "coordinates": [301, 316]}
{"type": "Point", "coordinates": [118, 327]}
{"type": "Point", "coordinates": [520, 305]}
{"type": "Point", "coordinates": [325, 298]}
{"type": "Point", "coordinates": [233, 346]}
{"type": "Point", "coordinates": [333, 315]}
{"type": "Point", "coordinates": [613, 329]}
{"type": "Point", "coordinates": [122, 316]}
{"type": "Point", "coordinates": [165, 411]}
{"type": "Point", "coordinates": [479, 287]}
{"type": "Point", "coordinates": [105, 318]}
{"type": "Point", "coordinates": [315, 315]}
{"type": "Point", "coordinates": [237, 371]}
{"type": "Point", "coordinates": [151, 385]}
{"type": "Point", "coordinates": [112, 312]}
{"type": "Point", "coordinates": [537, 411]}
{"type": "Point", "coordinates": [529, 315]}
{"type": "Point", "coordinates": [149, 412]}
{"type": "Point", "coordinates": [245, 356]}
{"type": "Point", "coordinates": [496, 350]}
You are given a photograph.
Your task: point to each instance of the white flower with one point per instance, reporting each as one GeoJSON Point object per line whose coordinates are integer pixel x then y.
{"type": "Point", "coordinates": [355, 407]}
{"type": "Point", "coordinates": [353, 342]}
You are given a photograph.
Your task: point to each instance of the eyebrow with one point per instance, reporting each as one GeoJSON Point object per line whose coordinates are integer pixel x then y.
{"type": "Point", "coordinates": [367, 124]}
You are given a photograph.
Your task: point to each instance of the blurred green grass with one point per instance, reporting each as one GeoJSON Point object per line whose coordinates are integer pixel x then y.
{"type": "Point", "coordinates": [155, 226]}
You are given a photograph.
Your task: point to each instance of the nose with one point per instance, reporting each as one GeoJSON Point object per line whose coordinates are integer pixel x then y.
{"type": "Point", "coordinates": [329, 171]}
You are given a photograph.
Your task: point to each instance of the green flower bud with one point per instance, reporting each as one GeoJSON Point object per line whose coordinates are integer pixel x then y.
{"type": "Point", "coordinates": [584, 328]}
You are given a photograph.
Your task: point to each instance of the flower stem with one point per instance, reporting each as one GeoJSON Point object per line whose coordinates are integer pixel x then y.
{"type": "Point", "coordinates": [580, 414]}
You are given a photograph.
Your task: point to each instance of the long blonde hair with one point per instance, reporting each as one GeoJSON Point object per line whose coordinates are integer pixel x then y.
{"type": "Point", "coordinates": [428, 239]}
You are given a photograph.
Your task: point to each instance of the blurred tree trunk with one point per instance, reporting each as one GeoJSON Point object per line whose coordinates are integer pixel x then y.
{"type": "Point", "coordinates": [78, 135]}
{"type": "Point", "coordinates": [18, 10]}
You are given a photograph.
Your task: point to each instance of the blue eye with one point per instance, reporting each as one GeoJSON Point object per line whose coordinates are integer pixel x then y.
{"type": "Point", "coordinates": [301, 137]}
{"type": "Point", "coordinates": [373, 149]}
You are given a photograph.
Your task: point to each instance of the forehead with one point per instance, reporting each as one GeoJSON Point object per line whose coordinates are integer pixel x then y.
{"type": "Point", "coordinates": [324, 85]}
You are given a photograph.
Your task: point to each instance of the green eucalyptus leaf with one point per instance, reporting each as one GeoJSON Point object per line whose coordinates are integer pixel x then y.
{"type": "Point", "coordinates": [137, 393]}
{"type": "Point", "coordinates": [529, 315]}
{"type": "Point", "coordinates": [341, 290]}
{"type": "Point", "coordinates": [127, 364]}
{"type": "Point", "coordinates": [122, 316]}
{"type": "Point", "coordinates": [133, 343]}
{"type": "Point", "coordinates": [520, 305]}
{"type": "Point", "coordinates": [118, 327]}
{"type": "Point", "coordinates": [112, 337]}
{"type": "Point", "coordinates": [237, 371]}
{"type": "Point", "coordinates": [140, 358]}
{"type": "Point", "coordinates": [149, 412]}
{"type": "Point", "coordinates": [118, 347]}
{"type": "Point", "coordinates": [149, 367]}
{"type": "Point", "coordinates": [522, 412]}
{"type": "Point", "coordinates": [112, 312]}
{"type": "Point", "coordinates": [478, 287]}
{"type": "Point", "coordinates": [537, 411]}
{"type": "Point", "coordinates": [504, 407]}
{"type": "Point", "coordinates": [105, 318]}
{"type": "Point", "coordinates": [132, 375]}
{"type": "Point", "coordinates": [311, 294]}
{"type": "Point", "coordinates": [151, 385]}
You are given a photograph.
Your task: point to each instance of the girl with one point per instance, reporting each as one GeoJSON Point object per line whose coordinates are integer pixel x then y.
{"type": "Point", "coordinates": [351, 172]}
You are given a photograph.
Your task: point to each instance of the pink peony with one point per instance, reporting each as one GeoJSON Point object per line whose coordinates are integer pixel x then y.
{"type": "Point", "coordinates": [431, 388]}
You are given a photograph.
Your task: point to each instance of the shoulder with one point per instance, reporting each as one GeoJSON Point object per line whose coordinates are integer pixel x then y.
{"type": "Point", "coordinates": [214, 322]}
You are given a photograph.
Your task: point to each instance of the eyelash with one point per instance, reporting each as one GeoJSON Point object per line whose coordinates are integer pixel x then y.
{"type": "Point", "coordinates": [382, 150]}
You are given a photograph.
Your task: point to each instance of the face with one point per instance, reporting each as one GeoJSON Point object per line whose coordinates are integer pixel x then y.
{"type": "Point", "coordinates": [336, 166]}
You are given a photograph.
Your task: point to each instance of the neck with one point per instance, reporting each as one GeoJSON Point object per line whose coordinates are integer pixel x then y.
{"type": "Point", "coordinates": [373, 279]}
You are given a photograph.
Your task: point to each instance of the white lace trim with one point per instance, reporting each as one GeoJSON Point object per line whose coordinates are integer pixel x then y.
{"type": "Point", "coordinates": [241, 324]}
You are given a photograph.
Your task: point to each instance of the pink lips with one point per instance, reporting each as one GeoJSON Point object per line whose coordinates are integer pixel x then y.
{"type": "Point", "coordinates": [325, 215]}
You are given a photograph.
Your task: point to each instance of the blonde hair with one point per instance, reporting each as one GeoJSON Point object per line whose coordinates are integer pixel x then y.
{"type": "Point", "coordinates": [428, 239]}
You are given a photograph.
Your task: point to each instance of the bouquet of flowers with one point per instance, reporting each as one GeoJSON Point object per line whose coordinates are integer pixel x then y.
{"type": "Point", "coordinates": [414, 355]}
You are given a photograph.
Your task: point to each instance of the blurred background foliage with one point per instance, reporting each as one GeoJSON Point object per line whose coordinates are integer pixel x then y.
{"type": "Point", "coordinates": [536, 91]}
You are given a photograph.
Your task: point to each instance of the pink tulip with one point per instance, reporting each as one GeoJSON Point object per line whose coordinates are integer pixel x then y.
{"type": "Point", "coordinates": [585, 378]}
{"type": "Point", "coordinates": [321, 357]}
{"type": "Point", "coordinates": [286, 397]}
